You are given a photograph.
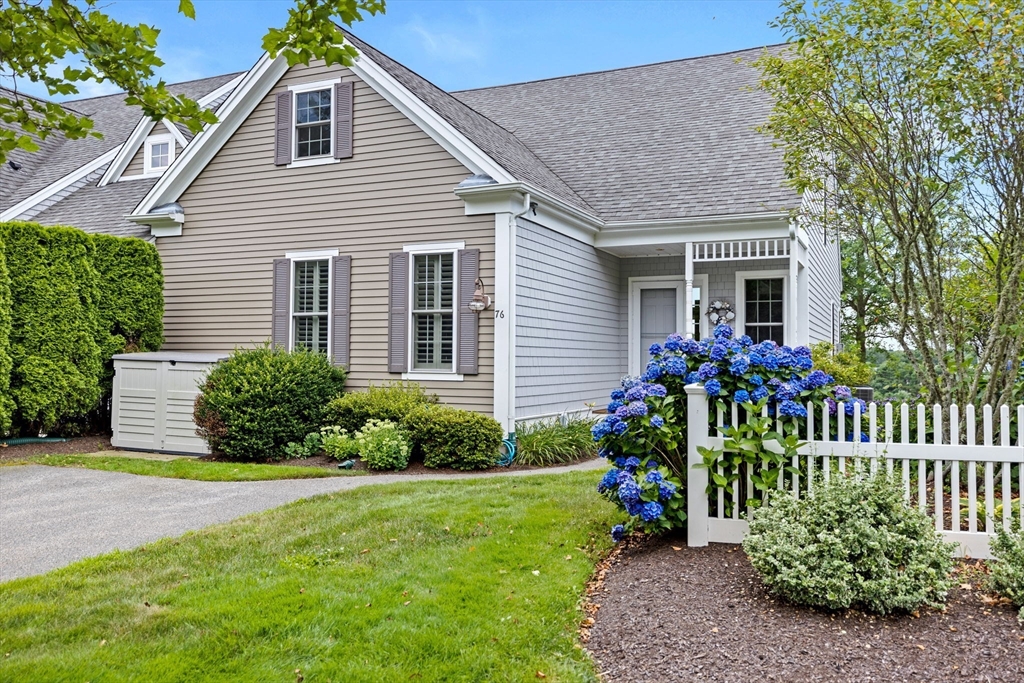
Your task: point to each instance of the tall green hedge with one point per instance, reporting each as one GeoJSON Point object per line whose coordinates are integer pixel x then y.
{"type": "Point", "coordinates": [131, 302]}
{"type": "Point", "coordinates": [6, 402]}
{"type": "Point", "coordinates": [75, 299]}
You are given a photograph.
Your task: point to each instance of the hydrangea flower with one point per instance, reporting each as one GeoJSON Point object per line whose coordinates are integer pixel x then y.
{"type": "Point", "coordinates": [792, 409]}
{"type": "Point", "coordinates": [676, 366]}
{"type": "Point", "coordinates": [653, 372]}
{"type": "Point", "coordinates": [767, 346]}
{"type": "Point", "coordinates": [788, 391]}
{"type": "Point", "coordinates": [704, 345]}
{"type": "Point", "coordinates": [629, 492]}
{"type": "Point", "coordinates": [718, 352]}
{"type": "Point", "coordinates": [657, 422]}
{"type": "Point", "coordinates": [785, 359]}
{"type": "Point", "coordinates": [849, 406]}
{"type": "Point", "coordinates": [804, 363]}
{"type": "Point", "coordinates": [633, 508]}
{"type": "Point", "coordinates": [832, 405]}
{"type": "Point", "coordinates": [666, 490]}
{"type": "Point", "coordinates": [654, 350]}
{"type": "Point", "coordinates": [674, 342]}
{"type": "Point", "coordinates": [756, 380]}
{"type": "Point", "coordinates": [632, 463]}
{"type": "Point", "coordinates": [759, 394]}
{"type": "Point", "coordinates": [618, 395]}
{"type": "Point", "coordinates": [651, 512]}
{"type": "Point", "coordinates": [713, 387]}
{"type": "Point", "coordinates": [652, 463]}
{"type": "Point", "coordinates": [600, 429]}
{"type": "Point", "coordinates": [723, 331]}
{"type": "Point", "coordinates": [802, 352]}
{"type": "Point", "coordinates": [692, 377]}
{"type": "Point", "coordinates": [609, 480]}
{"type": "Point", "coordinates": [843, 393]}
{"type": "Point", "coordinates": [622, 412]}
{"type": "Point", "coordinates": [690, 346]}
{"type": "Point", "coordinates": [745, 341]}
{"type": "Point", "coordinates": [770, 362]}
{"type": "Point", "coordinates": [706, 371]}
{"type": "Point", "coordinates": [653, 477]}
{"type": "Point", "coordinates": [755, 358]}
{"type": "Point", "coordinates": [863, 437]}
{"type": "Point", "coordinates": [741, 396]}
{"type": "Point", "coordinates": [817, 379]}
{"type": "Point", "coordinates": [614, 405]}
{"type": "Point", "coordinates": [658, 390]}
{"type": "Point", "coordinates": [637, 392]}
{"type": "Point", "coordinates": [636, 409]}
{"type": "Point", "coordinates": [739, 366]}
{"type": "Point", "coordinates": [618, 532]}
{"type": "Point", "coordinates": [620, 428]}
{"type": "Point", "coordinates": [620, 462]}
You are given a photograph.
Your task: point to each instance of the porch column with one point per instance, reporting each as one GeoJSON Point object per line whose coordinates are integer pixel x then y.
{"type": "Point", "coordinates": [688, 300]}
{"type": "Point", "coordinates": [793, 319]}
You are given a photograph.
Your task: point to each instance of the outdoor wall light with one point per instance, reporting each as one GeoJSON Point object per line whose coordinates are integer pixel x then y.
{"type": "Point", "coordinates": [481, 301]}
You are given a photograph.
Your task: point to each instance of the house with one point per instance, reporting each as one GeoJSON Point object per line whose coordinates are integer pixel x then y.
{"type": "Point", "coordinates": [358, 212]}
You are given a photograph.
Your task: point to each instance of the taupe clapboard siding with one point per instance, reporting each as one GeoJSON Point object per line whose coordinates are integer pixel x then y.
{"type": "Point", "coordinates": [243, 211]}
{"type": "Point", "coordinates": [137, 166]}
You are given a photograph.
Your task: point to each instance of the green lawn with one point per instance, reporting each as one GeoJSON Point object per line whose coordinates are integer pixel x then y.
{"type": "Point", "coordinates": [472, 580]}
{"type": "Point", "coordinates": [190, 468]}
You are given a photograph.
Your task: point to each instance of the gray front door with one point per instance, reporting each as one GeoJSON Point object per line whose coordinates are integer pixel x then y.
{"type": "Point", "coordinates": [657, 319]}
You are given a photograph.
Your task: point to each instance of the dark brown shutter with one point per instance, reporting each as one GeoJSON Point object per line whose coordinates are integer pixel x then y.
{"type": "Point", "coordinates": [343, 120]}
{"type": "Point", "coordinates": [283, 130]}
{"type": "Point", "coordinates": [281, 299]}
{"type": "Point", "coordinates": [398, 312]}
{"type": "Point", "coordinates": [469, 271]}
{"type": "Point", "coordinates": [341, 308]}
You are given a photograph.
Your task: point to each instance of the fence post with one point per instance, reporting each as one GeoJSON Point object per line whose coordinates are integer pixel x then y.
{"type": "Point", "coordinates": [696, 477]}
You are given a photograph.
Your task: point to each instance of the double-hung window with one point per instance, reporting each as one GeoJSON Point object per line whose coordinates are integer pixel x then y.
{"type": "Point", "coordinates": [313, 123]}
{"type": "Point", "coordinates": [159, 153]}
{"type": "Point", "coordinates": [311, 287]}
{"type": "Point", "coordinates": [764, 315]}
{"type": "Point", "coordinates": [433, 312]}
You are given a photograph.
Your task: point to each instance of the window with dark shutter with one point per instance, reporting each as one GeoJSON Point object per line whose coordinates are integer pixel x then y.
{"type": "Point", "coordinates": [398, 311]}
{"type": "Point", "coordinates": [468, 320]}
{"type": "Point", "coordinates": [341, 309]}
{"type": "Point", "coordinates": [343, 105]}
{"type": "Point", "coordinates": [283, 130]}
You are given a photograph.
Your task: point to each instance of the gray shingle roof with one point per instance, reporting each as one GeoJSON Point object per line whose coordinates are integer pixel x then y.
{"type": "Point", "coordinates": [101, 209]}
{"type": "Point", "coordinates": [60, 156]}
{"type": "Point", "coordinates": [669, 140]}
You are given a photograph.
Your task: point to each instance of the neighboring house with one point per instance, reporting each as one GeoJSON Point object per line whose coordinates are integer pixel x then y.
{"type": "Point", "coordinates": [356, 211]}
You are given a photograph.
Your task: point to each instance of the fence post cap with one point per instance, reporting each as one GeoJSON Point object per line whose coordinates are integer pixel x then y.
{"type": "Point", "coordinates": [694, 388]}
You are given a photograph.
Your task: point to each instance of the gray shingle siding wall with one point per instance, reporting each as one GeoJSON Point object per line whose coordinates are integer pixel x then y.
{"type": "Point", "coordinates": [825, 284]}
{"type": "Point", "coordinates": [568, 338]}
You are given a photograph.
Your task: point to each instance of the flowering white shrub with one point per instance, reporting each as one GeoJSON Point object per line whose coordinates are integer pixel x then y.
{"type": "Point", "coordinates": [383, 445]}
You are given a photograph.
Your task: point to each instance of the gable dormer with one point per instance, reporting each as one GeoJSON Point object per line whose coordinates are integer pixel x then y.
{"type": "Point", "coordinates": [154, 155]}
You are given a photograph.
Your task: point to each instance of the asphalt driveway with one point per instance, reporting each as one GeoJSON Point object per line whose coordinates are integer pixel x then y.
{"type": "Point", "coordinates": [53, 516]}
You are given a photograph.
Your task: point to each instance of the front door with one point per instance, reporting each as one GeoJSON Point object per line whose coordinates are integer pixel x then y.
{"type": "Point", "coordinates": [656, 311]}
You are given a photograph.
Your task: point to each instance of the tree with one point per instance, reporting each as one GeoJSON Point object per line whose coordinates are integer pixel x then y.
{"type": "Point", "coordinates": [907, 118]}
{"type": "Point", "coordinates": [867, 306]}
{"type": "Point", "coordinates": [39, 39]}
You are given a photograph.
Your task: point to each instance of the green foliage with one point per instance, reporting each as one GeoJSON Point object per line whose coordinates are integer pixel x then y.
{"type": "Point", "coordinates": [383, 445]}
{"type": "Point", "coordinates": [855, 543]}
{"type": "Point", "coordinates": [307, 448]}
{"type": "Point", "coordinates": [1007, 577]}
{"type": "Point", "coordinates": [555, 441]}
{"type": "Point", "coordinates": [258, 400]}
{"type": "Point", "coordinates": [867, 311]}
{"type": "Point", "coordinates": [894, 376]}
{"type": "Point", "coordinates": [63, 44]}
{"type": "Point", "coordinates": [338, 443]}
{"type": "Point", "coordinates": [448, 437]}
{"type": "Point", "coordinates": [55, 326]}
{"type": "Point", "coordinates": [131, 297]}
{"type": "Point", "coordinates": [6, 402]}
{"type": "Point", "coordinates": [846, 367]}
{"type": "Point", "coordinates": [393, 401]}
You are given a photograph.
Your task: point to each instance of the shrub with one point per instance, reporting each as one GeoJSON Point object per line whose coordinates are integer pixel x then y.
{"type": "Point", "coordinates": [550, 442]}
{"type": "Point", "coordinates": [448, 437]}
{"type": "Point", "coordinates": [1007, 577]}
{"type": "Point", "coordinates": [338, 443]}
{"type": "Point", "coordinates": [383, 446]}
{"type": "Point", "coordinates": [306, 448]}
{"type": "Point", "coordinates": [855, 543]}
{"type": "Point", "coordinates": [55, 358]}
{"type": "Point", "coordinates": [844, 366]}
{"type": "Point", "coordinates": [6, 403]}
{"type": "Point", "coordinates": [258, 400]}
{"type": "Point", "coordinates": [393, 402]}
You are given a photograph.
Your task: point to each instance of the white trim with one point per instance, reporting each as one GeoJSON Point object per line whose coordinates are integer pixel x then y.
{"type": "Point", "coordinates": [315, 254]}
{"type": "Point", "coordinates": [432, 123]}
{"type": "Point", "coordinates": [314, 161]}
{"type": "Point", "coordinates": [316, 85]}
{"type": "Point", "coordinates": [701, 280]}
{"type": "Point", "coordinates": [427, 376]}
{"type": "Point", "coordinates": [173, 130]}
{"type": "Point", "coordinates": [504, 376]}
{"type": "Point", "coordinates": [433, 247]}
{"type": "Point", "coordinates": [300, 256]}
{"type": "Point", "coordinates": [211, 97]}
{"type": "Point", "coordinates": [425, 249]}
{"type": "Point", "coordinates": [636, 284]}
{"type": "Point", "coordinates": [141, 176]}
{"type": "Point", "coordinates": [147, 153]}
{"type": "Point", "coordinates": [741, 299]}
{"type": "Point", "coordinates": [56, 187]}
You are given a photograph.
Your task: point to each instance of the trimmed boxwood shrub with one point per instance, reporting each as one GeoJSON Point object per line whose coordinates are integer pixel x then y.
{"type": "Point", "coordinates": [392, 401]}
{"type": "Point", "coordinates": [448, 437]}
{"type": "Point", "coordinates": [258, 400]}
{"type": "Point", "coordinates": [56, 361]}
{"type": "Point", "coordinates": [855, 543]}
{"type": "Point", "coordinates": [6, 403]}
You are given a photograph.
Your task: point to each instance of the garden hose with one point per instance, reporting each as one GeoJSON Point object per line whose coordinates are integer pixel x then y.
{"type": "Point", "coordinates": [510, 450]}
{"type": "Point", "coordinates": [32, 439]}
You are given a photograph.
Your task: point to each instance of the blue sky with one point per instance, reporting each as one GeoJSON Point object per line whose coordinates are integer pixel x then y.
{"type": "Point", "coordinates": [471, 43]}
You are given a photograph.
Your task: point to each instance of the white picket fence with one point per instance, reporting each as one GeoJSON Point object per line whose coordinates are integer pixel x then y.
{"type": "Point", "coordinates": [933, 451]}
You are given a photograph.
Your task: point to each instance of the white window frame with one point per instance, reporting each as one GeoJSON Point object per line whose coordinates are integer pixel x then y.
{"type": "Point", "coordinates": [636, 285]}
{"type": "Point", "coordinates": [318, 255]}
{"type": "Point", "coordinates": [147, 152]}
{"type": "Point", "coordinates": [452, 375]}
{"type": "Point", "coordinates": [295, 91]}
{"type": "Point", "coordinates": [741, 299]}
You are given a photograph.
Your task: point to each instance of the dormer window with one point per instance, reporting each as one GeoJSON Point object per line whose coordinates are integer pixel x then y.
{"type": "Point", "coordinates": [313, 123]}
{"type": "Point", "coordinates": [159, 153]}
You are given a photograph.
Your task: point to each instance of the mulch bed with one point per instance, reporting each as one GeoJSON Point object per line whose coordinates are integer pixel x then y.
{"type": "Point", "coordinates": [664, 612]}
{"type": "Point", "coordinates": [74, 446]}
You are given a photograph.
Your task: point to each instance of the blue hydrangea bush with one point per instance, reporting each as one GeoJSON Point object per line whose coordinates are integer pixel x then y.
{"type": "Point", "coordinates": [644, 433]}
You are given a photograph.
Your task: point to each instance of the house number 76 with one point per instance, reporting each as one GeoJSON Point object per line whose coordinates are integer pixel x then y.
{"type": "Point", "coordinates": [498, 313]}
